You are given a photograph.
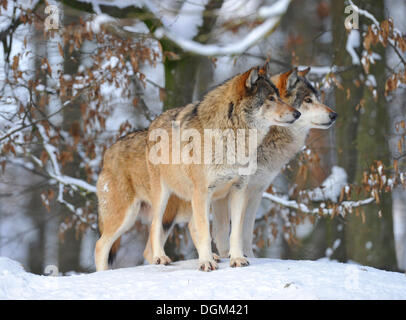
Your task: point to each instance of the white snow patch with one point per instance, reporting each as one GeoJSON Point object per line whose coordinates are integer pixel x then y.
{"type": "Point", "coordinates": [331, 187]}
{"type": "Point", "coordinates": [263, 279]}
{"type": "Point", "coordinates": [371, 81]}
{"type": "Point", "coordinates": [188, 20]}
{"type": "Point", "coordinates": [112, 63]}
{"type": "Point", "coordinates": [353, 41]}
{"type": "Point", "coordinates": [98, 21]}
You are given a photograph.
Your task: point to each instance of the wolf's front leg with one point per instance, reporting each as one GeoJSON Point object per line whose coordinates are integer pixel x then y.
{"type": "Point", "coordinates": [238, 206]}
{"type": "Point", "coordinates": [249, 221]}
{"type": "Point", "coordinates": [221, 226]}
{"type": "Point", "coordinates": [195, 238]}
{"type": "Point", "coordinates": [201, 210]}
{"type": "Point", "coordinates": [158, 203]}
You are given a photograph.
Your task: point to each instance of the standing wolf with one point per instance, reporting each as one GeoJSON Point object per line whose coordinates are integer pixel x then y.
{"type": "Point", "coordinates": [124, 188]}
{"type": "Point", "coordinates": [247, 101]}
{"type": "Point", "coordinates": [277, 148]}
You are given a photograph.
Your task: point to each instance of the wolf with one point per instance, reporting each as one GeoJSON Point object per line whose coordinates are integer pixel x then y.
{"type": "Point", "coordinates": [279, 146]}
{"type": "Point", "coordinates": [249, 102]}
{"type": "Point", "coordinates": [124, 189]}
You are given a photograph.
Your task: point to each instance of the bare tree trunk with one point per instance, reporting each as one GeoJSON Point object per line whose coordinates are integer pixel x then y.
{"type": "Point", "coordinates": [396, 112]}
{"type": "Point", "coordinates": [346, 131]}
{"type": "Point", "coordinates": [36, 210]}
{"type": "Point", "coordinates": [54, 104]}
{"type": "Point", "coordinates": [363, 139]}
{"type": "Point", "coordinates": [70, 244]}
{"type": "Point", "coordinates": [399, 225]}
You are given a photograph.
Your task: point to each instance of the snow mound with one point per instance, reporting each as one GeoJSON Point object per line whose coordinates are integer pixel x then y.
{"type": "Point", "coordinates": [263, 279]}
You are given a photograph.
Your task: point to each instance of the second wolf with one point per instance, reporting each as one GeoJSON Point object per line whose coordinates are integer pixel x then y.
{"type": "Point", "coordinates": [278, 147]}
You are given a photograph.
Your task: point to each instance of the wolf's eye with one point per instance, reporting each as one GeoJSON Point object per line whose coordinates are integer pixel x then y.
{"type": "Point", "coordinates": [271, 98]}
{"type": "Point", "coordinates": [308, 100]}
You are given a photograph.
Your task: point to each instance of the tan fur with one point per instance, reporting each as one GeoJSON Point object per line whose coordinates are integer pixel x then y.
{"type": "Point", "coordinates": [277, 148]}
{"type": "Point", "coordinates": [123, 181]}
{"type": "Point", "coordinates": [124, 188]}
{"type": "Point", "coordinates": [200, 183]}
{"type": "Point", "coordinates": [123, 191]}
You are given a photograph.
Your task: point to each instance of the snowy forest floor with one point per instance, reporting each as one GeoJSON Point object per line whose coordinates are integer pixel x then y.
{"type": "Point", "coordinates": [263, 279]}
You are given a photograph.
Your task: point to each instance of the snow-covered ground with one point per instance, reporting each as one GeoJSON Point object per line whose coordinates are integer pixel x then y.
{"type": "Point", "coordinates": [263, 279]}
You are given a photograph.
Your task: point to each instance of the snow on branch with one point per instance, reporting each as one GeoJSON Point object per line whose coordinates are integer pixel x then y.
{"type": "Point", "coordinates": [384, 33]}
{"type": "Point", "coordinates": [330, 189]}
{"type": "Point", "coordinates": [335, 187]}
{"type": "Point", "coordinates": [272, 15]}
{"type": "Point", "coordinates": [347, 205]}
{"type": "Point", "coordinates": [56, 172]}
{"type": "Point", "coordinates": [353, 42]}
{"type": "Point", "coordinates": [364, 13]}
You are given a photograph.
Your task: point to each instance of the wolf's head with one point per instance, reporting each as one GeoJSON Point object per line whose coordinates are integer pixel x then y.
{"type": "Point", "coordinates": [259, 100]}
{"type": "Point", "coordinates": [297, 91]}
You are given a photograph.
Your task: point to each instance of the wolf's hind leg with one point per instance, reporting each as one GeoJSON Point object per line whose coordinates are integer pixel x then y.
{"type": "Point", "coordinates": [148, 248]}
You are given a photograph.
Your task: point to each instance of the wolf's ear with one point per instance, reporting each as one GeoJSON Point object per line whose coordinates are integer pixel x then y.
{"type": "Point", "coordinates": [252, 78]}
{"type": "Point", "coordinates": [304, 72]}
{"type": "Point", "coordinates": [292, 78]}
{"type": "Point", "coordinates": [267, 69]}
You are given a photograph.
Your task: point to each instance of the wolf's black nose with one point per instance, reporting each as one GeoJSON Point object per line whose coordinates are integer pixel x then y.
{"type": "Point", "coordinates": [333, 116]}
{"type": "Point", "coordinates": [296, 114]}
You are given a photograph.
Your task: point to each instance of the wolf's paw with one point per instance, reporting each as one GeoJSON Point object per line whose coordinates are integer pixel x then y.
{"type": "Point", "coordinates": [162, 260]}
{"type": "Point", "coordinates": [208, 266]}
{"type": "Point", "coordinates": [216, 257]}
{"type": "Point", "coordinates": [238, 262]}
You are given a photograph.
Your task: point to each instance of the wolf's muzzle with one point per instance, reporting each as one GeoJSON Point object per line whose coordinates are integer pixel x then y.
{"type": "Point", "coordinates": [333, 116]}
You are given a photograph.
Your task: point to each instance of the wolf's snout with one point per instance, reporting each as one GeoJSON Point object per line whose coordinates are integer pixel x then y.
{"type": "Point", "coordinates": [333, 116]}
{"type": "Point", "coordinates": [297, 114]}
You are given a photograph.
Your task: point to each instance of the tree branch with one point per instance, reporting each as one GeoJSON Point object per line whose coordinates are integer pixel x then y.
{"type": "Point", "coordinates": [347, 205]}
{"type": "Point", "coordinates": [272, 15]}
